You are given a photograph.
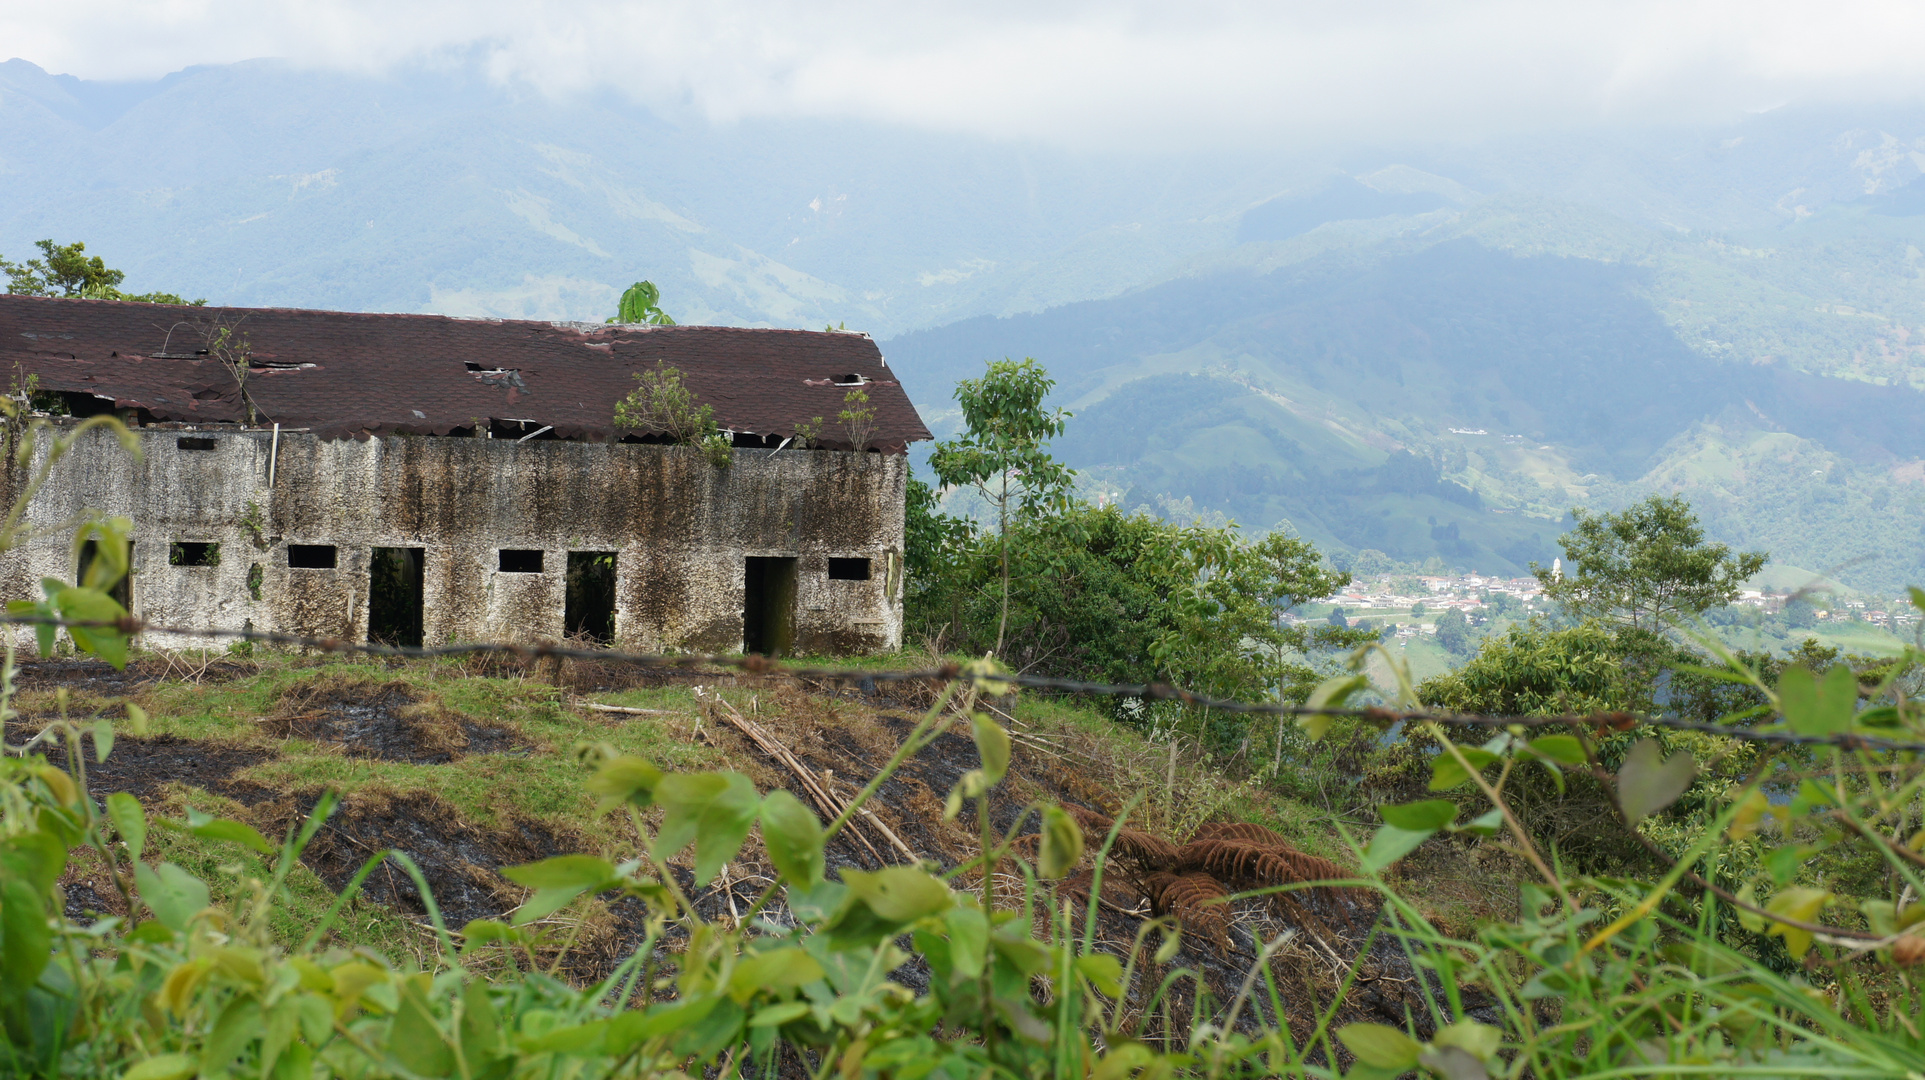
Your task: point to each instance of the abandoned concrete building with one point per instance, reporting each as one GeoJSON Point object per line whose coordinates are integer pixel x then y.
{"type": "Point", "coordinates": [416, 479]}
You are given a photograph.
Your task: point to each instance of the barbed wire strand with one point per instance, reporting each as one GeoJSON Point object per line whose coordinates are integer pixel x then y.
{"type": "Point", "coordinates": [1598, 722]}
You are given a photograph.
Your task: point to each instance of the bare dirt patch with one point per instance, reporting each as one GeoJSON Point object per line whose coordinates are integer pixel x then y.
{"type": "Point", "coordinates": [389, 721]}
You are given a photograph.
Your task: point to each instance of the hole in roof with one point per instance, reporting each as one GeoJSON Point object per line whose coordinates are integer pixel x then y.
{"type": "Point", "coordinates": [852, 379]}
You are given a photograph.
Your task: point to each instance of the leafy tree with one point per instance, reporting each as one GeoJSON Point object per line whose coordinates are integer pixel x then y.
{"type": "Point", "coordinates": [642, 303]}
{"type": "Point", "coordinates": [1453, 632]}
{"type": "Point", "coordinates": [1799, 614]}
{"type": "Point", "coordinates": [663, 405]}
{"type": "Point", "coordinates": [1645, 568]}
{"type": "Point", "coordinates": [1004, 452]}
{"type": "Point", "coordinates": [1337, 618]}
{"type": "Point", "coordinates": [66, 270]}
{"type": "Point", "coordinates": [1534, 670]}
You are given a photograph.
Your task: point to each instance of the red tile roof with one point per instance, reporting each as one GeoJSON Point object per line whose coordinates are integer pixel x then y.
{"type": "Point", "coordinates": [345, 374]}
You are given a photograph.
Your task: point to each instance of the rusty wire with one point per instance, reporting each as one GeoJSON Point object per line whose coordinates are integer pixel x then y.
{"type": "Point", "coordinates": [1598, 722]}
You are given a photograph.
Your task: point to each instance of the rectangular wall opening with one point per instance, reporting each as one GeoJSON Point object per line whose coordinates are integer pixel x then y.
{"type": "Point", "coordinates": [312, 556]}
{"type": "Point", "coordinates": [189, 442]}
{"type": "Point", "coordinates": [768, 606]}
{"type": "Point", "coordinates": [848, 569]}
{"type": "Point", "coordinates": [520, 561]}
{"type": "Point", "coordinates": [590, 609]}
{"type": "Point", "coordinates": [122, 590]}
{"type": "Point", "coordinates": [395, 597]}
{"type": "Point", "coordinates": [193, 553]}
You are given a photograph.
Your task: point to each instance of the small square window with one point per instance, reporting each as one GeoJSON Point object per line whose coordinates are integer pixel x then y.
{"type": "Point", "coordinates": [311, 556]}
{"type": "Point", "coordinates": [848, 569]}
{"type": "Point", "coordinates": [193, 553]}
{"type": "Point", "coordinates": [191, 443]}
{"type": "Point", "coordinates": [520, 561]}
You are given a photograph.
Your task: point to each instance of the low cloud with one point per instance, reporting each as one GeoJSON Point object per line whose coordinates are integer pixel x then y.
{"type": "Point", "coordinates": [1111, 74]}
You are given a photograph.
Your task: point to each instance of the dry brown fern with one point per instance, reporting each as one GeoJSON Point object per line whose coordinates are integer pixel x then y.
{"type": "Point", "coordinates": [1146, 851]}
{"type": "Point", "coordinates": [1252, 866]}
{"type": "Point", "coordinates": [1187, 897]}
{"type": "Point", "coordinates": [1243, 832]}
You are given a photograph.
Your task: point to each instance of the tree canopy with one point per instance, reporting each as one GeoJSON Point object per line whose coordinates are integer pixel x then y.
{"type": "Point", "coordinates": [67, 270]}
{"type": "Point", "coordinates": [642, 303]}
{"type": "Point", "coordinates": [1645, 567]}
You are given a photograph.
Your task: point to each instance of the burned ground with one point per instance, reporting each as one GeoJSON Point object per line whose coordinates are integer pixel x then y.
{"type": "Point", "coordinates": [454, 791]}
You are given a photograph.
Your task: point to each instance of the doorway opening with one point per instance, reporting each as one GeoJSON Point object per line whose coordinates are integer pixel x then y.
{"type": "Point", "coordinates": [395, 597]}
{"type": "Point", "coordinates": [590, 609]}
{"type": "Point", "coordinates": [123, 590]}
{"type": "Point", "coordinates": [768, 606]}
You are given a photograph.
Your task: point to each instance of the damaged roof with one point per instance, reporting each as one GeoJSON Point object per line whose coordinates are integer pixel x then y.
{"type": "Point", "coordinates": [347, 374]}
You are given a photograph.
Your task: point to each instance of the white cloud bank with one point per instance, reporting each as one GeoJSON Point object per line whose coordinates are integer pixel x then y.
{"type": "Point", "coordinates": [1098, 74]}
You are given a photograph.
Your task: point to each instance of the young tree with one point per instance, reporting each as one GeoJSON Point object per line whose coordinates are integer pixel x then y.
{"type": "Point", "coordinates": [1645, 568]}
{"type": "Point", "coordinates": [642, 303]}
{"type": "Point", "coordinates": [1453, 632]}
{"type": "Point", "coordinates": [1003, 452]}
{"type": "Point", "coordinates": [66, 270]}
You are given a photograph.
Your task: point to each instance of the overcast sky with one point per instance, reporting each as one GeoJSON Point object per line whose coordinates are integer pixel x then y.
{"type": "Point", "coordinates": [1109, 74]}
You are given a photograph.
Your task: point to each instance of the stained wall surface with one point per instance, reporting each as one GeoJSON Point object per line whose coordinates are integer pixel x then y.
{"type": "Point", "coordinates": [681, 527]}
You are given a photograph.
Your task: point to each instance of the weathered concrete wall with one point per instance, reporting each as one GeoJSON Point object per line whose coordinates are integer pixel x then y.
{"type": "Point", "coordinates": [680, 527]}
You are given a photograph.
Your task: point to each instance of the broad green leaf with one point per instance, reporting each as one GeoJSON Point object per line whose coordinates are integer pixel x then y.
{"type": "Point", "coordinates": [174, 895]}
{"type": "Point", "coordinates": [240, 1023]}
{"type": "Point", "coordinates": [1332, 693]}
{"type": "Point", "coordinates": [163, 1067]}
{"type": "Point", "coordinates": [1750, 920]}
{"type": "Point", "coordinates": [992, 745]}
{"type": "Point", "coordinates": [1798, 902]}
{"type": "Point", "coordinates": [713, 809]}
{"type": "Point", "coordinates": [1815, 708]}
{"type": "Point", "coordinates": [103, 739]}
{"type": "Point", "coordinates": [777, 1015]}
{"type": "Point", "coordinates": [1062, 845]}
{"type": "Point", "coordinates": [1647, 782]}
{"type": "Point", "coordinates": [968, 940]}
{"type": "Point", "coordinates": [793, 838]}
{"type": "Point", "coordinates": [43, 633]}
{"type": "Point", "coordinates": [1427, 816]}
{"type": "Point", "coordinates": [1453, 1063]}
{"type": "Point", "coordinates": [137, 718]}
{"type": "Point", "coordinates": [1918, 598]}
{"type": "Point", "coordinates": [545, 902]}
{"type": "Point", "coordinates": [481, 931]}
{"type": "Point", "coordinates": [130, 821]}
{"type": "Point", "coordinates": [622, 780]}
{"type": "Point", "coordinates": [562, 872]}
{"type": "Point", "coordinates": [786, 968]}
{"type": "Point", "coordinates": [26, 940]}
{"type": "Point", "coordinates": [1561, 748]}
{"type": "Point", "coordinates": [972, 785]}
{"type": "Point", "coordinates": [1380, 1046]}
{"type": "Point", "coordinates": [481, 1034]}
{"type": "Point", "coordinates": [233, 832]}
{"type": "Point", "coordinates": [1390, 844]}
{"type": "Point", "coordinates": [92, 605]}
{"type": "Point", "coordinates": [1447, 772]}
{"type": "Point", "coordinates": [1478, 1040]}
{"type": "Point", "coordinates": [899, 893]}
{"type": "Point", "coordinates": [1485, 824]}
{"type": "Point", "coordinates": [1105, 972]}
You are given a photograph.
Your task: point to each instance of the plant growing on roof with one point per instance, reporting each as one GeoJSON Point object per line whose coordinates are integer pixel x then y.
{"type": "Point", "coordinates": [858, 418]}
{"type": "Point", "coordinates": [225, 342]}
{"type": "Point", "coordinates": [642, 304]}
{"type": "Point", "coordinates": [809, 432]}
{"type": "Point", "coordinates": [664, 405]}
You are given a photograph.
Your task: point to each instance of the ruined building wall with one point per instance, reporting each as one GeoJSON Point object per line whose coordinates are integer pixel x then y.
{"type": "Point", "coordinates": [681, 528]}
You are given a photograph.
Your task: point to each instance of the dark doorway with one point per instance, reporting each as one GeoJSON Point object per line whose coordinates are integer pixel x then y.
{"type": "Point", "coordinates": [768, 606]}
{"type": "Point", "coordinates": [123, 590]}
{"type": "Point", "coordinates": [394, 597]}
{"type": "Point", "coordinates": [590, 610]}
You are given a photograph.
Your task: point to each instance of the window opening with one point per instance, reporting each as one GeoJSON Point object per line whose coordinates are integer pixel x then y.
{"type": "Point", "coordinates": [312, 556]}
{"type": "Point", "coordinates": [520, 561]}
{"type": "Point", "coordinates": [122, 590]}
{"type": "Point", "coordinates": [395, 597]}
{"type": "Point", "coordinates": [590, 608]}
{"type": "Point", "coordinates": [193, 553]}
{"type": "Point", "coordinates": [848, 569]}
{"type": "Point", "coordinates": [768, 606]}
{"type": "Point", "coordinates": [190, 443]}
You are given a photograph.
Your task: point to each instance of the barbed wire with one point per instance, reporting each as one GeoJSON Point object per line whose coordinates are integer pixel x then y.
{"type": "Point", "coordinates": [1598, 722]}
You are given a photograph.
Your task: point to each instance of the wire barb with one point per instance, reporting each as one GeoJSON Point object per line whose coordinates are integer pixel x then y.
{"type": "Point", "coordinates": [1599, 723]}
